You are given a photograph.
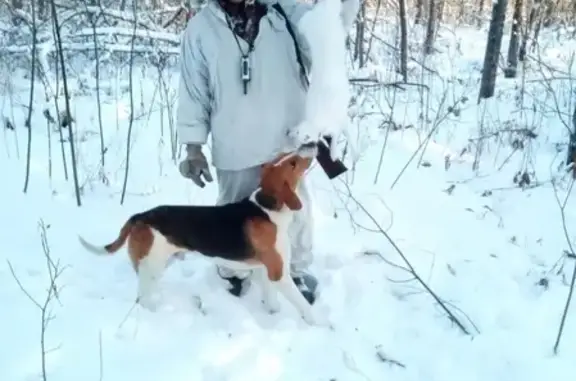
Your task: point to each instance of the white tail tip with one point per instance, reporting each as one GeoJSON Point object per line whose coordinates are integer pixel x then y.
{"type": "Point", "coordinates": [100, 250]}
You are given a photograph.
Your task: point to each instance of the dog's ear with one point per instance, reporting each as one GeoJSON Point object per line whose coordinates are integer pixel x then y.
{"type": "Point", "coordinates": [290, 198]}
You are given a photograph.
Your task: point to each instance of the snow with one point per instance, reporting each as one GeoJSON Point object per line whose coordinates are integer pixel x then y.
{"type": "Point", "coordinates": [491, 251]}
{"type": "Point", "coordinates": [328, 95]}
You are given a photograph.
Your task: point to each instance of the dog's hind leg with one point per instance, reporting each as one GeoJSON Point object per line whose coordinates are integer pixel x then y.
{"type": "Point", "coordinates": [149, 251]}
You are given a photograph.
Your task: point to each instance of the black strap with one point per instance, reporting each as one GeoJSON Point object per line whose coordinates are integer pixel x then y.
{"type": "Point", "coordinates": [303, 73]}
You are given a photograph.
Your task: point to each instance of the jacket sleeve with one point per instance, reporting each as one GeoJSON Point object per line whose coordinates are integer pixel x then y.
{"type": "Point", "coordinates": [192, 116]}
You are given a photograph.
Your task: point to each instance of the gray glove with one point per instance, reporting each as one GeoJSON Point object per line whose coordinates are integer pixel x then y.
{"type": "Point", "coordinates": [195, 166]}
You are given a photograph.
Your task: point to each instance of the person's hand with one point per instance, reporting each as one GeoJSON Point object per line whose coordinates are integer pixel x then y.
{"type": "Point", "coordinates": [195, 166]}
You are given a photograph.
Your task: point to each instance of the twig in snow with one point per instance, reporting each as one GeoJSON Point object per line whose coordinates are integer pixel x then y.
{"type": "Point", "coordinates": [54, 271]}
{"type": "Point", "coordinates": [422, 147]}
{"type": "Point", "coordinates": [562, 206]}
{"type": "Point", "coordinates": [49, 262]}
{"type": "Point", "coordinates": [533, 185]}
{"type": "Point", "coordinates": [127, 315]}
{"type": "Point", "coordinates": [387, 359]}
{"type": "Point", "coordinates": [390, 263]}
{"type": "Point", "coordinates": [442, 305]}
{"type": "Point", "coordinates": [355, 224]}
{"type": "Point", "coordinates": [100, 357]}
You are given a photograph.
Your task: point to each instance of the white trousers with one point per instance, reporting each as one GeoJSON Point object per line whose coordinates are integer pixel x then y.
{"type": "Point", "coordinates": [235, 185]}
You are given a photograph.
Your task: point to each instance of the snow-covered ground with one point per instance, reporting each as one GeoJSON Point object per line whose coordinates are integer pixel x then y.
{"type": "Point", "coordinates": [493, 253]}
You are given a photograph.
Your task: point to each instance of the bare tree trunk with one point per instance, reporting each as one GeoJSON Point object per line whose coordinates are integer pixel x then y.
{"type": "Point", "coordinates": [31, 100]}
{"type": "Point", "coordinates": [430, 28]}
{"type": "Point", "coordinates": [514, 44]}
{"type": "Point", "coordinates": [102, 170]}
{"type": "Point", "coordinates": [67, 99]}
{"type": "Point", "coordinates": [17, 5]}
{"type": "Point", "coordinates": [495, 32]}
{"type": "Point", "coordinates": [571, 153]}
{"type": "Point", "coordinates": [537, 30]}
{"type": "Point", "coordinates": [440, 10]}
{"type": "Point", "coordinates": [461, 11]}
{"type": "Point", "coordinates": [58, 114]}
{"type": "Point", "coordinates": [549, 15]}
{"type": "Point", "coordinates": [360, 28]}
{"type": "Point", "coordinates": [371, 31]}
{"type": "Point", "coordinates": [131, 88]}
{"type": "Point", "coordinates": [533, 14]}
{"type": "Point", "coordinates": [418, 18]}
{"type": "Point", "coordinates": [403, 40]}
{"type": "Point", "coordinates": [480, 12]}
{"type": "Point", "coordinates": [42, 10]}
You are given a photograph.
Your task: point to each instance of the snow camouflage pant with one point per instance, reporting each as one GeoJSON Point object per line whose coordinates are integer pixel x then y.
{"type": "Point", "coordinates": [236, 185]}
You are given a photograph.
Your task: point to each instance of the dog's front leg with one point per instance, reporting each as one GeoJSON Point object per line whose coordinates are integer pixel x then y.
{"type": "Point", "coordinates": [269, 292]}
{"type": "Point", "coordinates": [289, 289]}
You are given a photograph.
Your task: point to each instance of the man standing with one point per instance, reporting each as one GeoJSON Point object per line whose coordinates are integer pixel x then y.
{"type": "Point", "coordinates": [242, 79]}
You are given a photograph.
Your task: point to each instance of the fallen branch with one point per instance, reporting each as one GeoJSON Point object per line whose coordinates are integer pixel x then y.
{"type": "Point", "coordinates": [89, 47]}
{"type": "Point", "coordinates": [371, 82]}
{"type": "Point", "coordinates": [171, 38]}
{"type": "Point", "coordinates": [382, 356]}
{"type": "Point", "coordinates": [412, 270]}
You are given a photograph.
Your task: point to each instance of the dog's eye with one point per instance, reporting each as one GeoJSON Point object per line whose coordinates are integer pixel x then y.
{"type": "Point", "coordinates": [293, 164]}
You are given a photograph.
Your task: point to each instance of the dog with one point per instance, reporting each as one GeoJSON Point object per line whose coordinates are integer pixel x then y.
{"type": "Point", "coordinates": [251, 234]}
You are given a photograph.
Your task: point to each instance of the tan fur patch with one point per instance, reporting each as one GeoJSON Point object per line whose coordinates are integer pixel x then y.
{"type": "Point", "coordinates": [139, 243]}
{"type": "Point", "coordinates": [262, 236]}
{"type": "Point", "coordinates": [280, 181]}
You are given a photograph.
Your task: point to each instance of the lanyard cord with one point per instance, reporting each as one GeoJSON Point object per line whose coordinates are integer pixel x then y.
{"type": "Point", "coordinates": [250, 45]}
{"type": "Point", "coordinates": [244, 60]}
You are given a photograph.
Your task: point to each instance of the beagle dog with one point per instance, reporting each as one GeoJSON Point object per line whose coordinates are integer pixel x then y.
{"type": "Point", "coordinates": [251, 234]}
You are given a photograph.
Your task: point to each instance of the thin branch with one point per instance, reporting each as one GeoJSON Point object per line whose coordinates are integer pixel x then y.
{"type": "Point", "coordinates": [451, 316]}
{"type": "Point", "coordinates": [22, 287]}
{"type": "Point", "coordinates": [562, 206]}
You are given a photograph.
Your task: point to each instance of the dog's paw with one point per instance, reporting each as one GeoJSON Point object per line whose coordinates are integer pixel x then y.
{"type": "Point", "coordinates": [271, 304]}
{"type": "Point", "coordinates": [318, 320]}
{"type": "Point", "coordinates": [148, 303]}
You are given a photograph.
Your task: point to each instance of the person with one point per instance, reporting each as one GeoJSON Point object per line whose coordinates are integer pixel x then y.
{"type": "Point", "coordinates": [241, 81]}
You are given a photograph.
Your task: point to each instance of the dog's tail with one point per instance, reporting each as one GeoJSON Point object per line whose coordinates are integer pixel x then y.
{"type": "Point", "coordinates": [113, 246]}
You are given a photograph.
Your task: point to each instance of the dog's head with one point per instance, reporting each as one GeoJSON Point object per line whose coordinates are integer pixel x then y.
{"type": "Point", "coordinates": [280, 178]}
